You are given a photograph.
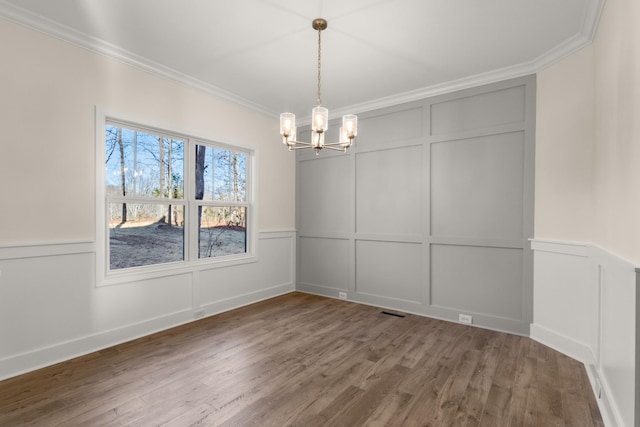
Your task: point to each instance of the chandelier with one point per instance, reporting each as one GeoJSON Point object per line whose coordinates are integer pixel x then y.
{"type": "Point", "coordinates": [319, 116]}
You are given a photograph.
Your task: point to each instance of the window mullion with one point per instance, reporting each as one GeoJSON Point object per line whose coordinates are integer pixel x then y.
{"type": "Point", "coordinates": [189, 195]}
{"type": "Point", "coordinates": [146, 200]}
{"type": "Point", "coordinates": [222, 203]}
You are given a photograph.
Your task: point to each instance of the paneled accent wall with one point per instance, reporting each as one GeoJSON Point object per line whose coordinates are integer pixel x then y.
{"type": "Point", "coordinates": [431, 209]}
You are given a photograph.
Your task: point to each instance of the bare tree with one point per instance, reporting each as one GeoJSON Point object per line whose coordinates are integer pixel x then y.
{"type": "Point", "coordinates": [232, 185]}
{"type": "Point", "coordinates": [122, 175]}
{"type": "Point", "coordinates": [201, 151]}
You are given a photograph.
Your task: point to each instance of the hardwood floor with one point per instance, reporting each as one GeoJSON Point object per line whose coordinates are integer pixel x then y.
{"type": "Point", "coordinates": [304, 360]}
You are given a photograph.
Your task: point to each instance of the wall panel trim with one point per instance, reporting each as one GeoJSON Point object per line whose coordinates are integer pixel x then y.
{"type": "Point", "coordinates": [34, 250]}
{"type": "Point", "coordinates": [395, 180]}
{"type": "Point", "coordinates": [46, 356]}
{"type": "Point", "coordinates": [594, 291]}
{"type": "Point", "coordinates": [45, 249]}
{"type": "Point", "coordinates": [262, 286]}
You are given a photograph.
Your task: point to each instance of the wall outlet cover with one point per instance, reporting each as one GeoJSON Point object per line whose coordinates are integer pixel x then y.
{"type": "Point", "coordinates": [465, 318]}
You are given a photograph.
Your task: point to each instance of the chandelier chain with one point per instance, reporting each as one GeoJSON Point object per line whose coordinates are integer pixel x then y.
{"type": "Point", "coordinates": [319, 64]}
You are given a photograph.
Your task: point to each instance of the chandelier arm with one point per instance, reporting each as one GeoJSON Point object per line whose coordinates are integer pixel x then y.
{"type": "Point", "coordinates": [331, 147]}
{"type": "Point", "coordinates": [300, 147]}
{"type": "Point", "coordinates": [333, 144]}
{"type": "Point", "coordinates": [293, 147]}
{"type": "Point", "coordinates": [300, 144]}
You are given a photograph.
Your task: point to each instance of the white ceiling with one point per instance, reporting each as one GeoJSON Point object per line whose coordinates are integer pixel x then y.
{"type": "Point", "coordinates": [263, 53]}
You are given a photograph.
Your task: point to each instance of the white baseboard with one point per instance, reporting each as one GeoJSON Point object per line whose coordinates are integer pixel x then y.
{"type": "Point", "coordinates": [601, 392]}
{"type": "Point", "coordinates": [47, 356]}
{"type": "Point", "coordinates": [585, 308]}
{"type": "Point", "coordinates": [221, 306]}
{"type": "Point", "coordinates": [563, 344]}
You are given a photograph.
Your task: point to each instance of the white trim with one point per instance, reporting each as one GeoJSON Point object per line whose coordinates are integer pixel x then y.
{"type": "Point", "coordinates": [556, 54]}
{"type": "Point", "coordinates": [99, 191]}
{"type": "Point", "coordinates": [592, 19]}
{"type": "Point", "coordinates": [105, 277]}
{"type": "Point", "coordinates": [277, 234]}
{"type": "Point", "coordinates": [563, 344]}
{"type": "Point", "coordinates": [605, 256]}
{"type": "Point", "coordinates": [582, 249]}
{"type": "Point", "coordinates": [45, 249]}
{"type": "Point", "coordinates": [36, 22]}
{"type": "Point", "coordinates": [564, 248]}
{"type": "Point", "coordinates": [46, 356]}
{"type": "Point", "coordinates": [138, 274]}
{"type": "Point", "coordinates": [216, 307]}
{"type": "Point", "coordinates": [599, 263]}
{"type": "Point", "coordinates": [30, 360]}
{"type": "Point", "coordinates": [63, 32]}
{"type": "Point", "coordinates": [606, 411]}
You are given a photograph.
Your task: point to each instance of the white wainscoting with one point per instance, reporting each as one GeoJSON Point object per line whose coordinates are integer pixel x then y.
{"type": "Point", "coordinates": [585, 307]}
{"type": "Point", "coordinates": [51, 310]}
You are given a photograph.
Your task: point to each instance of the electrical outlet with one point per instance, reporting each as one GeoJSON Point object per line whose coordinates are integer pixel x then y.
{"type": "Point", "coordinates": [342, 295]}
{"type": "Point", "coordinates": [465, 318]}
{"type": "Point", "coordinates": [198, 314]}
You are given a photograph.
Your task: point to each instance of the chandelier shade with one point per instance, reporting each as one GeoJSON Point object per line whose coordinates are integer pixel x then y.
{"type": "Point", "coordinates": [319, 116]}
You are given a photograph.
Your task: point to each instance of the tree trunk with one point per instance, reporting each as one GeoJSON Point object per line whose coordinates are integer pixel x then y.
{"type": "Point", "coordinates": [201, 151]}
{"type": "Point", "coordinates": [122, 175]}
{"type": "Point", "coordinates": [234, 161]}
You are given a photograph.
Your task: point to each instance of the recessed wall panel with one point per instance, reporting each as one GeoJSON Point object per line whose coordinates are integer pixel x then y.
{"type": "Point", "coordinates": [389, 190]}
{"type": "Point", "coordinates": [272, 269]}
{"type": "Point", "coordinates": [323, 194]}
{"type": "Point", "coordinates": [384, 129]}
{"type": "Point", "coordinates": [477, 187]}
{"type": "Point", "coordinates": [481, 111]}
{"type": "Point", "coordinates": [389, 269]}
{"type": "Point", "coordinates": [323, 262]}
{"type": "Point", "coordinates": [477, 279]}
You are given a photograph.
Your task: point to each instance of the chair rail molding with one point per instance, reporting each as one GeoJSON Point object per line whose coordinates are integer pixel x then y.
{"type": "Point", "coordinates": [585, 305]}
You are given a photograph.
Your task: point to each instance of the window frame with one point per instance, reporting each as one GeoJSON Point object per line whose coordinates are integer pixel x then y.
{"type": "Point", "coordinates": [191, 262]}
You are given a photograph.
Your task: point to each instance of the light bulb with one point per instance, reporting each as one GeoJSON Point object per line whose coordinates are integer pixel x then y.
{"type": "Point", "coordinates": [287, 124]}
{"type": "Point", "coordinates": [319, 119]}
{"type": "Point", "coordinates": [350, 125]}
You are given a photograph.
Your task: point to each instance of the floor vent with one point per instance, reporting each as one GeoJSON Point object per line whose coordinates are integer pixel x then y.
{"type": "Point", "coordinates": [388, 313]}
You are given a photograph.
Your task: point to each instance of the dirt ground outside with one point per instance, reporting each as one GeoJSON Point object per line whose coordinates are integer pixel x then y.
{"type": "Point", "coordinates": [136, 244]}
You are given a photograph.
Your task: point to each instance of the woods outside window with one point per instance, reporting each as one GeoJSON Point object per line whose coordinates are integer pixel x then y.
{"type": "Point", "coordinates": [172, 200]}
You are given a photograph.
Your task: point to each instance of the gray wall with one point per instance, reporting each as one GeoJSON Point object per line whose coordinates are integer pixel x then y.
{"type": "Point", "coordinates": [430, 211]}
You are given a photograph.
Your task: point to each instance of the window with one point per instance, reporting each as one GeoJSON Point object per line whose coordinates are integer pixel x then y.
{"type": "Point", "coordinates": [220, 189]}
{"type": "Point", "coordinates": [172, 201]}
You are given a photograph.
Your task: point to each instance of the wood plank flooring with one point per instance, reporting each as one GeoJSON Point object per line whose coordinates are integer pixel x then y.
{"type": "Point", "coordinates": [304, 360]}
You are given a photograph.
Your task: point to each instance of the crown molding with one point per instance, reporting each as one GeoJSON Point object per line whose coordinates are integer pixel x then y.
{"type": "Point", "coordinates": [548, 58]}
{"type": "Point", "coordinates": [439, 89]}
{"type": "Point", "coordinates": [570, 46]}
{"type": "Point", "coordinates": [44, 25]}
{"type": "Point", "coordinates": [592, 19]}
